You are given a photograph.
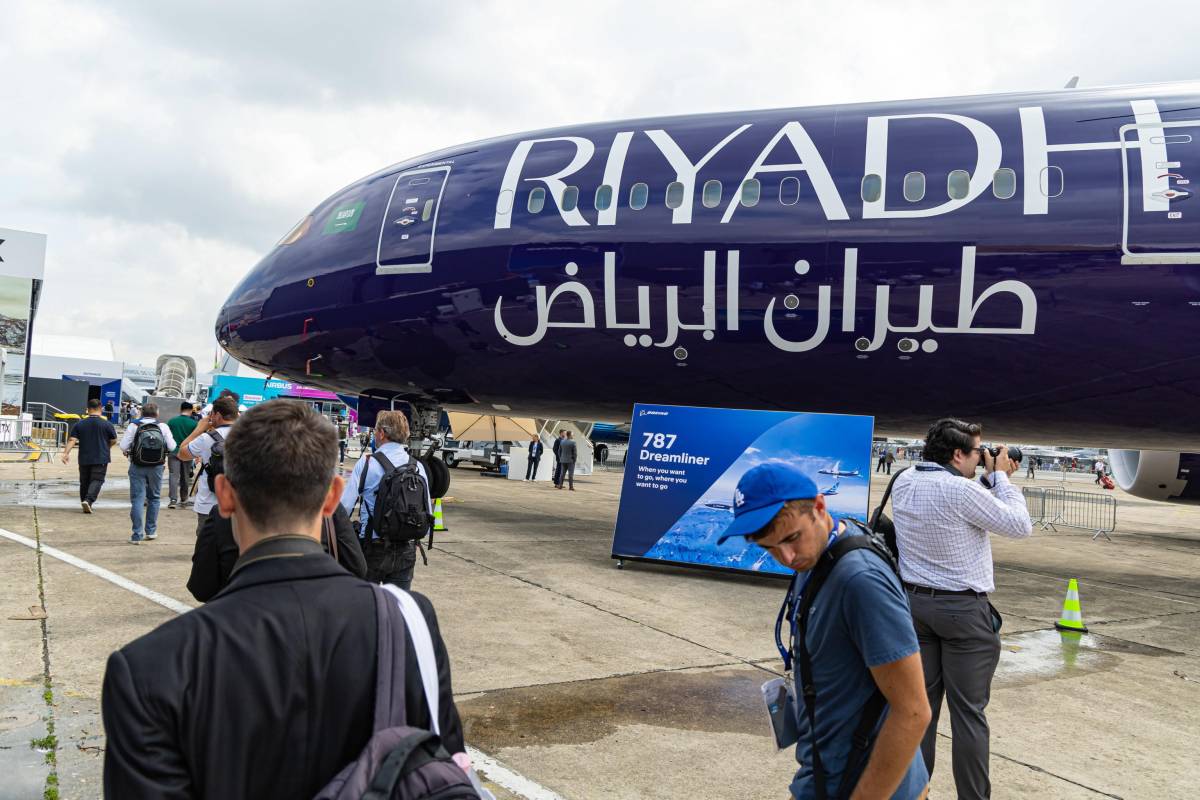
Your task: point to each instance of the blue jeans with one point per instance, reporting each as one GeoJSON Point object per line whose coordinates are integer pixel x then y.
{"type": "Point", "coordinates": [145, 486]}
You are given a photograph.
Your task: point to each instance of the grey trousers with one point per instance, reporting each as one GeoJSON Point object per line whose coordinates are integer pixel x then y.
{"type": "Point", "coordinates": [181, 475]}
{"type": "Point", "coordinates": [959, 653]}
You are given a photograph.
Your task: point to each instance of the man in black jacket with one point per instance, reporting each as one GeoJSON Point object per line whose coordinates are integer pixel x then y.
{"type": "Point", "coordinates": [269, 689]}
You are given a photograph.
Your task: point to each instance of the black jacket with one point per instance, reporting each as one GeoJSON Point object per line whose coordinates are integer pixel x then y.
{"type": "Point", "coordinates": [216, 552]}
{"type": "Point", "coordinates": [266, 691]}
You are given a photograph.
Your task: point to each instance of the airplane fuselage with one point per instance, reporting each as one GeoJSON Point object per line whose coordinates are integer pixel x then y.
{"type": "Point", "coordinates": [1031, 261]}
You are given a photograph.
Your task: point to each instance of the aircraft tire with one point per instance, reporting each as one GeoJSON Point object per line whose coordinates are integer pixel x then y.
{"type": "Point", "coordinates": [439, 477]}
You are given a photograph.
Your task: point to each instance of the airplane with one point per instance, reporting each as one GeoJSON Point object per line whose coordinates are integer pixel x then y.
{"type": "Point", "coordinates": [1013, 259]}
{"type": "Point", "coordinates": [839, 473]}
{"type": "Point", "coordinates": [832, 490]}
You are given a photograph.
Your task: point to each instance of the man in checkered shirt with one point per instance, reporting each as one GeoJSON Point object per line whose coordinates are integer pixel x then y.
{"type": "Point", "coordinates": [942, 518]}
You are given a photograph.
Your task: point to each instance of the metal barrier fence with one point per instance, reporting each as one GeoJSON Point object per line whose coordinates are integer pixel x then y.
{"type": "Point", "coordinates": [49, 434]}
{"type": "Point", "coordinates": [1089, 511]}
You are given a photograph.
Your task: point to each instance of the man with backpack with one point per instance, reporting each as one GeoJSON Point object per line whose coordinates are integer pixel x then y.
{"type": "Point", "coordinates": [261, 692]}
{"type": "Point", "coordinates": [147, 443]}
{"type": "Point", "coordinates": [860, 710]}
{"type": "Point", "coordinates": [207, 442]}
{"type": "Point", "coordinates": [396, 511]}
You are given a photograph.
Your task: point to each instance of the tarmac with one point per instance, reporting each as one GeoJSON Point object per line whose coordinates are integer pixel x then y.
{"type": "Point", "coordinates": [590, 682]}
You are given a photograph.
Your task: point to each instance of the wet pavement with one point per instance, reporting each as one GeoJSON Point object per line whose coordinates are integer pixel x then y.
{"type": "Point", "coordinates": [643, 682]}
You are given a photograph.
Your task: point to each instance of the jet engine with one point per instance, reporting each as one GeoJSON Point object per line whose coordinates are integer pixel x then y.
{"type": "Point", "coordinates": [1158, 474]}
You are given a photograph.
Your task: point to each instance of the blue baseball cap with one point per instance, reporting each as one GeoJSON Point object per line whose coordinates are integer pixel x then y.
{"type": "Point", "coordinates": [760, 494]}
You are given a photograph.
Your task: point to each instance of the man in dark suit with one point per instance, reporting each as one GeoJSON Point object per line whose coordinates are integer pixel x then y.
{"type": "Point", "coordinates": [557, 448]}
{"type": "Point", "coordinates": [269, 689]}
{"type": "Point", "coordinates": [566, 458]}
{"type": "Point", "coordinates": [535, 455]}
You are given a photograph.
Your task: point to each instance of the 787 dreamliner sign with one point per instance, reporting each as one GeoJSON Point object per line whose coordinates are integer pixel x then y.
{"type": "Point", "coordinates": [684, 464]}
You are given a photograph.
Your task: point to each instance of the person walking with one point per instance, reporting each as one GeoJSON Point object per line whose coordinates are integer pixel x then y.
{"type": "Point", "coordinates": [387, 561]}
{"type": "Point", "coordinates": [1029, 468]}
{"type": "Point", "coordinates": [147, 444]}
{"type": "Point", "coordinates": [207, 443]}
{"type": "Point", "coordinates": [862, 708]}
{"type": "Point", "coordinates": [882, 462]}
{"type": "Point", "coordinates": [535, 455]}
{"type": "Point", "coordinates": [179, 479]}
{"type": "Point", "coordinates": [942, 517]}
{"type": "Point", "coordinates": [95, 436]}
{"type": "Point", "coordinates": [1099, 469]}
{"type": "Point", "coordinates": [343, 431]}
{"type": "Point", "coordinates": [890, 459]}
{"type": "Point", "coordinates": [567, 454]}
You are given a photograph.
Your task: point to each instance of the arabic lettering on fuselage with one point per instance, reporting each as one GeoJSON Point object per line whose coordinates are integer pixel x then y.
{"type": "Point", "coordinates": [1036, 150]}
{"type": "Point", "coordinates": [582, 312]}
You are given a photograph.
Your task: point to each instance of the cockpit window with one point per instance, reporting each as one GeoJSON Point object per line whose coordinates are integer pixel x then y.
{"type": "Point", "coordinates": [298, 230]}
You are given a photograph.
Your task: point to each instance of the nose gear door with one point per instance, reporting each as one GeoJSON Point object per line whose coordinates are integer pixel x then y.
{"type": "Point", "coordinates": [1160, 164]}
{"type": "Point", "coordinates": [406, 237]}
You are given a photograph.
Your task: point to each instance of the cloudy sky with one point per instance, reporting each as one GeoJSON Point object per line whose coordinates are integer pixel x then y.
{"type": "Point", "coordinates": [165, 146]}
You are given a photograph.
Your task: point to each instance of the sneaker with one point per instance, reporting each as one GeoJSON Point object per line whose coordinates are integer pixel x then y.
{"type": "Point", "coordinates": [135, 540]}
{"type": "Point", "coordinates": [151, 536]}
{"type": "Point", "coordinates": [170, 505]}
{"type": "Point", "coordinates": [87, 507]}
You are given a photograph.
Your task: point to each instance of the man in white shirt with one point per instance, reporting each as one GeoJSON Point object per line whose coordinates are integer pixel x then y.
{"type": "Point", "coordinates": [942, 518]}
{"type": "Point", "coordinates": [146, 453]}
{"type": "Point", "coordinates": [387, 562]}
{"type": "Point", "coordinates": [201, 443]}
{"type": "Point", "coordinates": [1099, 468]}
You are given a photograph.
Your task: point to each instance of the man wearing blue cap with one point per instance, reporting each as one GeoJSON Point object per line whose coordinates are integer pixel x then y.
{"type": "Point", "coordinates": [852, 636]}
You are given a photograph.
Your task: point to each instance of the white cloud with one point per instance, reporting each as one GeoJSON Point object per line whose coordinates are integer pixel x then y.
{"type": "Point", "coordinates": [164, 147]}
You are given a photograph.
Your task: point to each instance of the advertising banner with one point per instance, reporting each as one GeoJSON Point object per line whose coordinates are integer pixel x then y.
{"type": "Point", "coordinates": [684, 463]}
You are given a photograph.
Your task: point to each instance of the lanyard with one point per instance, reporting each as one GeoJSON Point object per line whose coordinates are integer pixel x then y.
{"type": "Point", "coordinates": [791, 606]}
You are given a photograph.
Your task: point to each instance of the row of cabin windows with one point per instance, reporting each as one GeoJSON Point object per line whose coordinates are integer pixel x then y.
{"type": "Point", "coordinates": [958, 184]}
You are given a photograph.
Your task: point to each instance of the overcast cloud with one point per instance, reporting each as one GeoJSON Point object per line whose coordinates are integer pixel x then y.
{"type": "Point", "coordinates": [164, 147]}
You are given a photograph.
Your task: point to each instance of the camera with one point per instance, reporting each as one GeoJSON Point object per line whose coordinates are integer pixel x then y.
{"type": "Point", "coordinates": [1014, 453]}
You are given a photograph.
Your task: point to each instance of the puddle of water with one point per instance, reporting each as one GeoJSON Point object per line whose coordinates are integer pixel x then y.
{"type": "Point", "coordinates": [63, 493]}
{"type": "Point", "coordinates": [1037, 656]}
{"type": "Point", "coordinates": [724, 701]}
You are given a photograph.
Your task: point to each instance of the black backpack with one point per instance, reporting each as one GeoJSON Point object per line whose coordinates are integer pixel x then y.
{"type": "Point", "coordinates": [863, 740]}
{"type": "Point", "coordinates": [149, 446]}
{"type": "Point", "coordinates": [216, 460]}
{"type": "Point", "coordinates": [881, 525]}
{"type": "Point", "coordinates": [402, 512]}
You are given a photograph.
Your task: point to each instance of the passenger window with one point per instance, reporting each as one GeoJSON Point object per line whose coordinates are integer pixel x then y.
{"type": "Point", "coordinates": [504, 202]}
{"type": "Point", "coordinates": [1052, 181]}
{"type": "Point", "coordinates": [1004, 183]}
{"type": "Point", "coordinates": [711, 196]}
{"type": "Point", "coordinates": [958, 184]}
{"type": "Point", "coordinates": [570, 198]}
{"type": "Point", "coordinates": [751, 191]}
{"type": "Point", "coordinates": [537, 200]}
{"type": "Point", "coordinates": [789, 191]}
{"type": "Point", "coordinates": [872, 188]}
{"type": "Point", "coordinates": [639, 195]}
{"type": "Point", "coordinates": [674, 194]}
{"type": "Point", "coordinates": [603, 197]}
{"type": "Point", "coordinates": [914, 187]}
{"type": "Point", "coordinates": [427, 211]}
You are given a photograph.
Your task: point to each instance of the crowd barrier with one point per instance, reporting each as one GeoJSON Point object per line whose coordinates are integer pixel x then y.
{"type": "Point", "coordinates": [1050, 508]}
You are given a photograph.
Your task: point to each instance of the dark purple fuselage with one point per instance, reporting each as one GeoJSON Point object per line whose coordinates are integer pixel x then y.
{"type": "Point", "coordinates": [1067, 312]}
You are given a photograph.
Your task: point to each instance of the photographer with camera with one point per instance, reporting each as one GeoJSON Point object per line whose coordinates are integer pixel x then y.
{"type": "Point", "coordinates": [942, 518]}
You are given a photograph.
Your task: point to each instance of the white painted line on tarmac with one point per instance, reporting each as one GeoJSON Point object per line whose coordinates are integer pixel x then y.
{"type": "Point", "coordinates": [101, 572]}
{"type": "Point", "coordinates": [495, 771]}
{"type": "Point", "coordinates": [515, 782]}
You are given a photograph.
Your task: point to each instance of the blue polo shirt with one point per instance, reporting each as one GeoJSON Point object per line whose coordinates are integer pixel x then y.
{"type": "Point", "coordinates": [860, 619]}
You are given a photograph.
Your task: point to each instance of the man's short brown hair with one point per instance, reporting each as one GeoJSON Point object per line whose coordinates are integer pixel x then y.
{"type": "Point", "coordinates": [280, 460]}
{"type": "Point", "coordinates": [394, 425]}
{"type": "Point", "coordinates": [226, 406]}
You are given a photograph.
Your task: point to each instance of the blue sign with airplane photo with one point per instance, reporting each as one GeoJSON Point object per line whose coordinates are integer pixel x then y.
{"type": "Point", "coordinates": [685, 462]}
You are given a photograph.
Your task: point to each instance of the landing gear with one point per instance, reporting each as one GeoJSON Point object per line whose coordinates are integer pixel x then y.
{"type": "Point", "coordinates": [620, 563]}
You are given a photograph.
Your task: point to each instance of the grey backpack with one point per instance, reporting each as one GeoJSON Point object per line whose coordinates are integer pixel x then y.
{"type": "Point", "coordinates": [400, 762]}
